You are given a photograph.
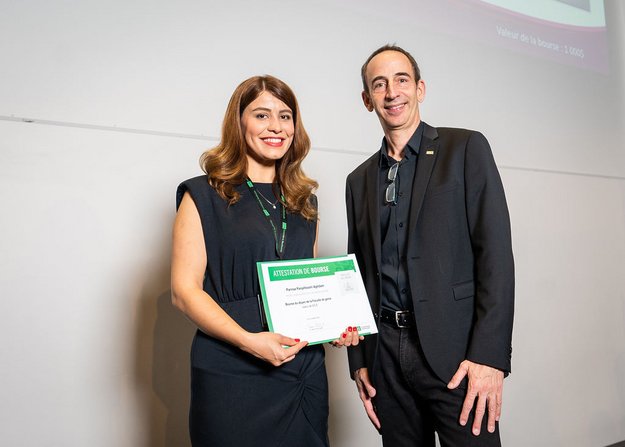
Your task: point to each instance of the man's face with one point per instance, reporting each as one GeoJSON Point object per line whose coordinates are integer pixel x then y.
{"type": "Point", "coordinates": [394, 93]}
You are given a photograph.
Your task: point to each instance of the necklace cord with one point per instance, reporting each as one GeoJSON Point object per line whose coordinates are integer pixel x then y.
{"type": "Point", "coordinates": [281, 242]}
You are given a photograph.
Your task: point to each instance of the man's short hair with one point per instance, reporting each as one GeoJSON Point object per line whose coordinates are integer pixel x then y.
{"type": "Point", "coordinates": [389, 47]}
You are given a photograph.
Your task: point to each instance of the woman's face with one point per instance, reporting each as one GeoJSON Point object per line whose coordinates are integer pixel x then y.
{"type": "Point", "coordinates": [268, 128]}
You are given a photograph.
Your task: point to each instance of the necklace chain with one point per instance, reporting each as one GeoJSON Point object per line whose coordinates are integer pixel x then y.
{"type": "Point", "coordinates": [273, 204]}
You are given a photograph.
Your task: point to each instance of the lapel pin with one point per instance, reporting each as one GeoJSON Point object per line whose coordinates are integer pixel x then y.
{"type": "Point", "coordinates": [429, 152]}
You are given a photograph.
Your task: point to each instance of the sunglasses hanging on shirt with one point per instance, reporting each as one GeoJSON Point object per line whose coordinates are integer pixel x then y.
{"type": "Point", "coordinates": [390, 195]}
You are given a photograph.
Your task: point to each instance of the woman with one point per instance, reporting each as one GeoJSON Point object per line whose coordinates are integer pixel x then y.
{"type": "Point", "coordinates": [249, 387]}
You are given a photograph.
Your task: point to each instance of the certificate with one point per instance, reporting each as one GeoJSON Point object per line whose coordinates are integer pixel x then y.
{"type": "Point", "coordinates": [315, 299]}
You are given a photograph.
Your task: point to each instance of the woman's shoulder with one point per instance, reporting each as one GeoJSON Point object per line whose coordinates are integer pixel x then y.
{"type": "Point", "coordinates": [198, 187]}
{"type": "Point", "coordinates": [195, 181]}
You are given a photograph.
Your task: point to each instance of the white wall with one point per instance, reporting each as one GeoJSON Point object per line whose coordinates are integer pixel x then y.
{"type": "Point", "coordinates": [124, 96]}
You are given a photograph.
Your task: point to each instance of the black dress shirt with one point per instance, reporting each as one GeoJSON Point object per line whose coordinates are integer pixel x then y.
{"type": "Point", "coordinates": [394, 223]}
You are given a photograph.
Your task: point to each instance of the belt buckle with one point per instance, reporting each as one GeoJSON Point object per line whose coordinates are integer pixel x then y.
{"type": "Point", "coordinates": [397, 314]}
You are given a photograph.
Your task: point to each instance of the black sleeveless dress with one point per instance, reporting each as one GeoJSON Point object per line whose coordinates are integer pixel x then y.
{"type": "Point", "coordinates": [237, 399]}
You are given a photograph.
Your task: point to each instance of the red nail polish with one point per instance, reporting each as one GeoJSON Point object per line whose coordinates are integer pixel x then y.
{"type": "Point", "coordinates": [355, 328]}
{"type": "Point", "coordinates": [296, 340]}
{"type": "Point", "coordinates": [344, 335]}
{"type": "Point", "coordinates": [350, 329]}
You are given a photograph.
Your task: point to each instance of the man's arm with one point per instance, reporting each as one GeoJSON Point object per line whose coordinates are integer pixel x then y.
{"type": "Point", "coordinates": [355, 354]}
{"type": "Point", "coordinates": [488, 355]}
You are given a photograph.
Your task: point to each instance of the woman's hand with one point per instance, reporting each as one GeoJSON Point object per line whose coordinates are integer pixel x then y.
{"type": "Point", "coordinates": [273, 348]}
{"type": "Point", "coordinates": [349, 337]}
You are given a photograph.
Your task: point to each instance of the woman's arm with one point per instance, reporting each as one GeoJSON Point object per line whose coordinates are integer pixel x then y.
{"type": "Point", "coordinates": [187, 274]}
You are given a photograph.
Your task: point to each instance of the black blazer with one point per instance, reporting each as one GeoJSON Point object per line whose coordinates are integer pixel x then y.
{"type": "Point", "coordinates": [459, 254]}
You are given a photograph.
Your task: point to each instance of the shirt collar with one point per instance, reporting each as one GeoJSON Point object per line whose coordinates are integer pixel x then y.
{"type": "Point", "coordinates": [412, 147]}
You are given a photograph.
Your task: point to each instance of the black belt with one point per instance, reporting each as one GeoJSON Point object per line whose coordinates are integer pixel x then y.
{"type": "Point", "coordinates": [398, 318]}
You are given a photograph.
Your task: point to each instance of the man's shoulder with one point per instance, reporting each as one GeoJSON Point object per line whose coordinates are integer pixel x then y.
{"type": "Point", "coordinates": [454, 132]}
{"type": "Point", "coordinates": [360, 170]}
{"type": "Point", "coordinates": [457, 140]}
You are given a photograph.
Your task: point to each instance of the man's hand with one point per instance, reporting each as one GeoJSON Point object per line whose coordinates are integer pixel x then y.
{"type": "Point", "coordinates": [366, 392]}
{"type": "Point", "coordinates": [485, 384]}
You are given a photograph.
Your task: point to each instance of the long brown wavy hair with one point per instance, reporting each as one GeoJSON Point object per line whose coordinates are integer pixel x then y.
{"type": "Point", "coordinates": [226, 163]}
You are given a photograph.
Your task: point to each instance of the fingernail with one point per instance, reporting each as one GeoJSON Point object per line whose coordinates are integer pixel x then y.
{"type": "Point", "coordinates": [350, 329]}
{"type": "Point", "coordinates": [344, 335]}
{"type": "Point", "coordinates": [296, 340]}
{"type": "Point", "coordinates": [463, 421]}
{"type": "Point", "coordinates": [476, 431]}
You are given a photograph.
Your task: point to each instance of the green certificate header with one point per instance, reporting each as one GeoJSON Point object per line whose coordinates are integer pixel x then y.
{"type": "Point", "coordinates": [310, 270]}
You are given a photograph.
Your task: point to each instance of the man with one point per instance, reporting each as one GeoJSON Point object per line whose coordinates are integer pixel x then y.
{"type": "Point", "coordinates": [429, 225]}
